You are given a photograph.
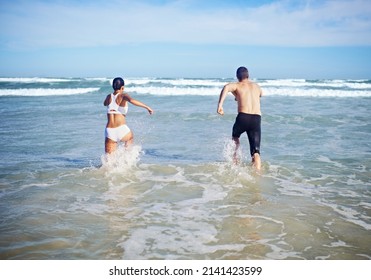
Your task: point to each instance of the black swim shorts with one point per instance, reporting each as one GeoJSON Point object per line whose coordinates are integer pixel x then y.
{"type": "Point", "coordinates": [251, 125]}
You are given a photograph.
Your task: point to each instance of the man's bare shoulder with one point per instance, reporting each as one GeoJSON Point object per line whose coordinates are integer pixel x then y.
{"type": "Point", "coordinates": [257, 88]}
{"type": "Point", "coordinates": [256, 84]}
{"type": "Point", "coordinates": [231, 87]}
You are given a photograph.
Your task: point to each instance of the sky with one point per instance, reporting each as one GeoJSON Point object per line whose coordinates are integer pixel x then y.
{"type": "Point", "coordinates": [309, 39]}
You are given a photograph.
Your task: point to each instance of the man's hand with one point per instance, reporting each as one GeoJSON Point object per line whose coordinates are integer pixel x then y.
{"type": "Point", "coordinates": [220, 110]}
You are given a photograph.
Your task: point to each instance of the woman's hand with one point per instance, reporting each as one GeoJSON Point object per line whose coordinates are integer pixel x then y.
{"type": "Point", "coordinates": [150, 111]}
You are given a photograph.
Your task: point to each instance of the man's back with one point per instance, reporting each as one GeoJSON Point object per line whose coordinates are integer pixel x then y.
{"type": "Point", "coordinates": [248, 97]}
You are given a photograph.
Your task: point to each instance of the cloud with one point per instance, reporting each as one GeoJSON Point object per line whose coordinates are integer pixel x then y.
{"type": "Point", "coordinates": [61, 24]}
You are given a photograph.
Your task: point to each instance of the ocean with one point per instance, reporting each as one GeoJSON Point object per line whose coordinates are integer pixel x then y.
{"type": "Point", "coordinates": [176, 194]}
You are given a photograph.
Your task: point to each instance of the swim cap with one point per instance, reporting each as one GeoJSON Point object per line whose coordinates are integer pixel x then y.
{"type": "Point", "coordinates": [118, 83]}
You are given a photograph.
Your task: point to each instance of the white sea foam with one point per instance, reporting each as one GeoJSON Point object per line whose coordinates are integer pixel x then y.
{"type": "Point", "coordinates": [174, 91]}
{"type": "Point", "coordinates": [191, 236]}
{"type": "Point", "coordinates": [176, 82]}
{"type": "Point", "coordinates": [324, 159]}
{"type": "Point", "coordinates": [35, 80]}
{"type": "Point", "coordinates": [315, 92]}
{"type": "Point", "coordinates": [283, 83]}
{"type": "Point", "coordinates": [268, 91]}
{"type": "Point", "coordinates": [46, 91]}
{"type": "Point", "coordinates": [274, 83]}
{"type": "Point", "coordinates": [122, 160]}
{"type": "Point", "coordinates": [349, 214]}
{"type": "Point", "coordinates": [301, 83]}
{"type": "Point", "coordinates": [201, 87]}
{"type": "Point", "coordinates": [195, 82]}
{"type": "Point", "coordinates": [137, 81]}
{"type": "Point", "coordinates": [98, 79]}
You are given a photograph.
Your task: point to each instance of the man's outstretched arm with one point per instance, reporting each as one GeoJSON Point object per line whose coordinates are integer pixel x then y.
{"type": "Point", "coordinates": [223, 94]}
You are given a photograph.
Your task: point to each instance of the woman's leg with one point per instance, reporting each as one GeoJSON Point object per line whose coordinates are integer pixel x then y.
{"type": "Point", "coordinates": [110, 146]}
{"type": "Point", "coordinates": [128, 139]}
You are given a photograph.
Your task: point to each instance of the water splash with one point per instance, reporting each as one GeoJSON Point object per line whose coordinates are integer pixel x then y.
{"type": "Point", "coordinates": [123, 159]}
{"type": "Point", "coordinates": [230, 154]}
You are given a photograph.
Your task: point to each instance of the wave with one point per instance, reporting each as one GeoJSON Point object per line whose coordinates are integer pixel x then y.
{"type": "Point", "coordinates": [186, 86]}
{"type": "Point", "coordinates": [313, 92]}
{"type": "Point", "coordinates": [35, 80]}
{"type": "Point", "coordinates": [278, 87]}
{"type": "Point", "coordinates": [45, 91]}
{"type": "Point", "coordinates": [268, 91]}
{"type": "Point", "coordinates": [176, 82]}
{"type": "Point", "coordinates": [171, 91]}
{"type": "Point", "coordinates": [301, 83]}
{"type": "Point", "coordinates": [345, 84]}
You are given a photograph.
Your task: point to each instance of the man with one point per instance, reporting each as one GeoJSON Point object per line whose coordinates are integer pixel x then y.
{"type": "Point", "coordinates": [247, 95]}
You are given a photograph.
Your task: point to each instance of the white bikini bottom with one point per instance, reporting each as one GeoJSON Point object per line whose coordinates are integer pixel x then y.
{"type": "Point", "coordinates": [117, 133]}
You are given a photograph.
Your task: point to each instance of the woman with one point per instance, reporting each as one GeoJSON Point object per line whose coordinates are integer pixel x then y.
{"type": "Point", "coordinates": [117, 108]}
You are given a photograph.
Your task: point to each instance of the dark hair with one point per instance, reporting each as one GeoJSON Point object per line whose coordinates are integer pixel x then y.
{"type": "Point", "coordinates": [242, 73]}
{"type": "Point", "coordinates": [118, 83]}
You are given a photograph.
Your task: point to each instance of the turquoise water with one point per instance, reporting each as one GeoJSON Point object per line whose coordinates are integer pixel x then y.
{"type": "Point", "coordinates": [175, 194]}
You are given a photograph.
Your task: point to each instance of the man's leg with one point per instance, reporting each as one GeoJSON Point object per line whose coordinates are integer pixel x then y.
{"type": "Point", "coordinates": [256, 161]}
{"type": "Point", "coordinates": [254, 141]}
{"type": "Point", "coordinates": [237, 146]}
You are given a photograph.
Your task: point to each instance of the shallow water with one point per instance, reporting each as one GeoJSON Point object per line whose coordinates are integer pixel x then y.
{"type": "Point", "coordinates": [175, 194]}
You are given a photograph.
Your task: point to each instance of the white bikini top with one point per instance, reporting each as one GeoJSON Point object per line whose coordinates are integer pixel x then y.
{"type": "Point", "coordinates": [114, 108]}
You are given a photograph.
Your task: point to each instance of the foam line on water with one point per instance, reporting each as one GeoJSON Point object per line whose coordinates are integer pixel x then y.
{"type": "Point", "coordinates": [46, 91]}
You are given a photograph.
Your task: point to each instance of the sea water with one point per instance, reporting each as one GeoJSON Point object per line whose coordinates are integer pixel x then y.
{"type": "Point", "coordinates": [176, 194]}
